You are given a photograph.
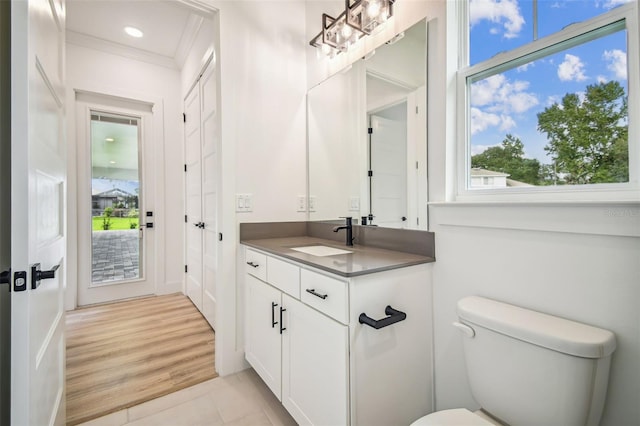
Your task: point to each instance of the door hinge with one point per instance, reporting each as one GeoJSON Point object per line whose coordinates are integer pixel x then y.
{"type": "Point", "coordinates": [185, 218]}
{"type": "Point", "coordinates": [184, 117]}
{"type": "Point", "coordinates": [370, 130]}
{"type": "Point", "coordinates": [416, 165]}
{"type": "Point", "coordinates": [370, 173]}
{"type": "Point", "coordinates": [186, 269]}
{"type": "Point", "coordinates": [416, 109]}
{"type": "Point", "coordinates": [219, 236]}
{"type": "Point", "coordinates": [185, 167]}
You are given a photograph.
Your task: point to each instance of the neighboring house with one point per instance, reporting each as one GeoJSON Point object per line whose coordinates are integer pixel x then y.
{"type": "Point", "coordinates": [487, 179]}
{"type": "Point", "coordinates": [111, 198]}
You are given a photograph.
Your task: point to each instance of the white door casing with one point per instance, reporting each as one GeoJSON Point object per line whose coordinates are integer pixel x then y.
{"type": "Point", "coordinates": [89, 293]}
{"type": "Point", "coordinates": [193, 196]}
{"type": "Point", "coordinates": [38, 209]}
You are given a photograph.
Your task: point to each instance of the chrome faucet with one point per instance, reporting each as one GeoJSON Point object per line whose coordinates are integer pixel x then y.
{"type": "Point", "coordinates": [349, 227]}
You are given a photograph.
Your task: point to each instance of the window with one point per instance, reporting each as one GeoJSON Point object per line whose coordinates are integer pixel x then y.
{"type": "Point", "coordinates": [545, 100]}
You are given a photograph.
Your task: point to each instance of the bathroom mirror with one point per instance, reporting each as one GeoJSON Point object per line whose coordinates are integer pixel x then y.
{"type": "Point", "coordinates": [367, 137]}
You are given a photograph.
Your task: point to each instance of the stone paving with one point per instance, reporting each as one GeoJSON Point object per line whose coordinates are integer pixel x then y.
{"type": "Point", "coordinates": [115, 255]}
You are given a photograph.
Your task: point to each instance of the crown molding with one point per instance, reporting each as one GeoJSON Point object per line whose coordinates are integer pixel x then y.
{"type": "Point", "coordinates": [96, 43]}
{"type": "Point", "coordinates": [188, 37]}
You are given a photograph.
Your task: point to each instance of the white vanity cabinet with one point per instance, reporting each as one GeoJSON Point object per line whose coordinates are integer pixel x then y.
{"type": "Point", "coordinates": [305, 339]}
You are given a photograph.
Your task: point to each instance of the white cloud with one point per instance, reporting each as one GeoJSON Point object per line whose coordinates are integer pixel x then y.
{"type": "Point", "coordinates": [504, 12]}
{"type": "Point", "coordinates": [523, 68]}
{"type": "Point", "coordinates": [554, 99]}
{"type": "Point", "coordinates": [507, 123]}
{"type": "Point", "coordinates": [601, 79]}
{"type": "Point", "coordinates": [571, 69]}
{"type": "Point", "coordinates": [482, 120]}
{"type": "Point", "coordinates": [610, 4]}
{"type": "Point", "coordinates": [479, 149]}
{"type": "Point", "coordinates": [617, 62]}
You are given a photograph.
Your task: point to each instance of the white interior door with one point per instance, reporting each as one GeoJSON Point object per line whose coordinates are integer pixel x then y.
{"type": "Point", "coordinates": [193, 190]}
{"type": "Point", "coordinates": [389, 166]}
{"type": "Point", "coordinates": [115, 173]}
{"type": "Point", "coordinates": [210, 192]}
{"type": "Point", "coordinates": [38, 208]}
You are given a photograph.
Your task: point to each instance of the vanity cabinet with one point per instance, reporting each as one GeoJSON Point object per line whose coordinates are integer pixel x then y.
{"type": "Point", "coordinates": [306, 340]}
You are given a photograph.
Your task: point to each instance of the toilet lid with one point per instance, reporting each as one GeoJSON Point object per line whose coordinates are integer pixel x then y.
{"type": "Point", "coordinates": [455, 417]}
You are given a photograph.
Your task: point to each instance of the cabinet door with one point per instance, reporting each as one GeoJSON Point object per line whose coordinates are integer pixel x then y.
{"type": "Point", "coordinates": [315, 359]}
{"type": "Point", "coordinates": [263, 348]}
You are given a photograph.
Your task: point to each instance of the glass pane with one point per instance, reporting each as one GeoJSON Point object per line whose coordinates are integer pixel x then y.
{"type": "Point", "coordinates": [558, 119]}
{"type": "Point", "coordinates": [115, 192]}
{"type": "Point", "coordinates": [500, 25]}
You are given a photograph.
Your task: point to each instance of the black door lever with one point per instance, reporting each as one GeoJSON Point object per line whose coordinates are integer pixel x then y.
{"type": "Point", "coordinates": [37, 275]}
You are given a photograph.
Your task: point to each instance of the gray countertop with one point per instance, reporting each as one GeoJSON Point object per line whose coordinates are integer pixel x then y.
{"type": "Point", "coordinates": [363, 259]}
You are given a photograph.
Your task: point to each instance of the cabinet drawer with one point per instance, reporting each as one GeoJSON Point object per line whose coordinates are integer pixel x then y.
{"type": "Point", "coordinates": [256, 264]}
{"type": "Point", "coordinates": [284, 276]}
{"type": "Point", "coordinates": [326, 294]}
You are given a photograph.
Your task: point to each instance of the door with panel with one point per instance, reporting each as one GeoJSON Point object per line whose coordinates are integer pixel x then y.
{"type": "Point", "coordinates": [264, 328]}
{"type": "Point", "coordinates": [210, 192]}
{"type": "Point", "coordinates": [38, 208]}
{"type": "Point", "coordinates": [193, 194]}
{"type": "Point", "coordinates": [315, 366]}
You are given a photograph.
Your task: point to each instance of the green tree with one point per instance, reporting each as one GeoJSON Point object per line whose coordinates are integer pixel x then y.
{"type": "Point", "coordinates": [588, 138]}
{"type": "Point", "coordinates": [106, 218]}
{"type": "Point", "coordinates": [509, 158]}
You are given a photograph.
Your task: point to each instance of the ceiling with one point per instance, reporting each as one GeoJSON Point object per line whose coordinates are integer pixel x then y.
{"type": "Point", "coordinates": [169, 27]}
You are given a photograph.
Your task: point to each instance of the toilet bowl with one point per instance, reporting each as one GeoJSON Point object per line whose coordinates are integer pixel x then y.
{"type": "Point", "coordinates": [456, 417]}
{"type": "Point", "coordinates": [559, 367]}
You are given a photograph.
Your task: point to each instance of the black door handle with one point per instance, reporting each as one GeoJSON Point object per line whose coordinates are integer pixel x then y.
{"type": "Point", "coordinates": [37, 275]}
{"type": "Point", "coordinates": [273, 315]}
{"type": "Point", "coordinates": [281, 327]}
{"type": "Point", "coordinates": [394, 317]}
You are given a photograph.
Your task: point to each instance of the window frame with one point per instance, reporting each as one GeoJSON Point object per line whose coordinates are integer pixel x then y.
{"type": "Point", "coordinates": [510, 59]}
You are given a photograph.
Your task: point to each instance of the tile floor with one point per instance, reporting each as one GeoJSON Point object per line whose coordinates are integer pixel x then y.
{"type": "Point", "coordinates": [240, 399]}
{"type": "Point", "coordinates": [115, 255]}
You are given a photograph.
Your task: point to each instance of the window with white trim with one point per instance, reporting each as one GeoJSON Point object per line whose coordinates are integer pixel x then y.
{"type": "Point", "coordinates": [549, 96]}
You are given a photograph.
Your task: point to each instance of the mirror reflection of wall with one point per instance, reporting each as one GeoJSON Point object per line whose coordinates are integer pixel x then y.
{"type": "Point", "coordinates": [385, 93]}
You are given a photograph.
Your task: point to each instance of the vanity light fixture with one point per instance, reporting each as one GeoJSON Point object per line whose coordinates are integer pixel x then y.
{"type": "Point", "coordinates": [360, 18]}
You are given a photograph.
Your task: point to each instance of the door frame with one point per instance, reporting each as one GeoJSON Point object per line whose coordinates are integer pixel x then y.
{"type": "Point", "coordinates": [112, 98]}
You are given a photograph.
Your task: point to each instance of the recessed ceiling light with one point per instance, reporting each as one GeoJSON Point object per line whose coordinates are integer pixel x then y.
{"type": "Point", "coordinates": [112, 162]}
{"type": "Point", "coordinates": [133, 32]}
{"type": "Point", "coordinates": [109, 139]}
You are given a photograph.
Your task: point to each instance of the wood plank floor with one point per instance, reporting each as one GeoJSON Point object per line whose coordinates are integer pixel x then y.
{"type": "Point", "coordinates": [122, 354]}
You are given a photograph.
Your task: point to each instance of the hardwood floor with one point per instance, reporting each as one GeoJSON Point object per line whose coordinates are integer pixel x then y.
{"type": "Point", "coordinates": [122, 354]}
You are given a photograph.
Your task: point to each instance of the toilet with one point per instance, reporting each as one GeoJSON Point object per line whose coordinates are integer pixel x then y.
{"type": "Point", "coordinates": [529, 368]}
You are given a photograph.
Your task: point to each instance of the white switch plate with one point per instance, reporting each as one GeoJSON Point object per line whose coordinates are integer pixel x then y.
{"type": "Point", "coordinates": [244, 203]}
{"type": "Point", "coordinates": [313, 202]}
{"type": "Point", "coordinates": [302, 203]}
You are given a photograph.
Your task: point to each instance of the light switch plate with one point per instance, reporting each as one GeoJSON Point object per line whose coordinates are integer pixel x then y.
{"type": "Point", "coordinates": [302, 203]}
{"type": "Point", "coordinates": [244, 203]}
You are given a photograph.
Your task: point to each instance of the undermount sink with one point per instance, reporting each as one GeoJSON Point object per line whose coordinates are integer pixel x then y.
{"type": "Point", "coordinates": [319, 250]}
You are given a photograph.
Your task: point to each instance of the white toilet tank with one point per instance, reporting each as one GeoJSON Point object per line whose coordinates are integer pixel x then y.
{"type": "Point", "coordinates": [529, 368]}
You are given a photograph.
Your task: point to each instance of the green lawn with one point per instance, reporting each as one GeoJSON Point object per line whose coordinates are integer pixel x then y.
{"type": "Point", "coordinates": [117, 223]}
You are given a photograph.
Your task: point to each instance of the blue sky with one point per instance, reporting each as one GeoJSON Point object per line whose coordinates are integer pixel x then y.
{"type": "Point", "coordinates": [508, 102]}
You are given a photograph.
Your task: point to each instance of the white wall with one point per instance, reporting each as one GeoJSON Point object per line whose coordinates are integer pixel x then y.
{"type": "Point", "coordinates": [105, 73]}
{"type": "Point", "coordinates": [574, 261]}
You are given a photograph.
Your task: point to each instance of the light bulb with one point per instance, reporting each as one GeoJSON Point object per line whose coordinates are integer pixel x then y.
{"type": "Point", "coordinates": [346, 31]}
{"type": "Point", "coordinates": [373, 9]}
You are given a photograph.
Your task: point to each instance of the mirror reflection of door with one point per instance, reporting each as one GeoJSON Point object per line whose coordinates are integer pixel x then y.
{"type": "Point", "coordinates": [388, 156]}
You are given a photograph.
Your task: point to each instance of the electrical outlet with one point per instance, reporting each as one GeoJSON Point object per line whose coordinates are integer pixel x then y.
{"type": "Point", "coordinates": [354, 204]}
{"type": "Point", "coordinates": [302, 203]}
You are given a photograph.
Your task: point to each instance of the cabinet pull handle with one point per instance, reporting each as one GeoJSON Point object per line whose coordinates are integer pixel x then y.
{"type": "Point", "coordinates": [281, 327]}
{"type": "Point", "coordinates": [273, 315]}
{"type": "Point", "coordinates": [394, 317]}
{"type": "Point", "coordinates": [255, 265]}
{"type": "Point", "coordinates": [313, 291]}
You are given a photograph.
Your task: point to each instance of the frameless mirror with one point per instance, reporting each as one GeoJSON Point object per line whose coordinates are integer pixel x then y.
{"type": "Point", "coordinates": [367, 137]}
